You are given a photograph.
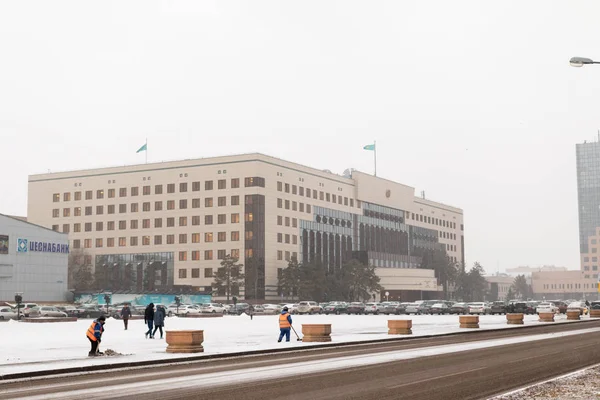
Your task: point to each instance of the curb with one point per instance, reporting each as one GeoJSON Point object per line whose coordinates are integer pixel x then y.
{"type": "Point", "coordinates": [208, 357]}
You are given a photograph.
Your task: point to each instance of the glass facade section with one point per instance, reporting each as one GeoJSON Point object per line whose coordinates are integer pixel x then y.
{"type": "Point", "coordinates": [588, 191]}
{"type": "Point", "coordinates": [136, 272]}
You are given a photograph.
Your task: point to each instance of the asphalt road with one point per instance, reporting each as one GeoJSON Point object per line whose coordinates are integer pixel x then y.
{"type": "Point", "coordinates": [468, 370]}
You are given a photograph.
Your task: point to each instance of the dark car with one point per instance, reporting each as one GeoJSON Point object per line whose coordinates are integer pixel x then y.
{"type": "Point", "coordinates": [523, 308]}
{"type": "Point", "coordinates": [356, 308]}
{"type": "Point", "coordinates": [595, 305]}
{"type": "Point", "coordinates": [439, 308]}
{"type": "Point", "coordinates": [91, 312]}
{"type": "Point", "coordinates": [239, 309]}
{"type": "Point", "coordinates": [336, 308]}
{"type": "Point", "coordinates": [562, 306]}
{"type": "Point", "coordinates": [499, 307]}
{"type": "Point", "coordinates": [400, 308]}
{"type": "Point", "coordinates": [424, 307]}
{"type": "Point", "coordinates": [388, 308]}
{"type": "Point", "coordinates": [459, 308]}
{"type": "Point", "coordinates": [532, 306]}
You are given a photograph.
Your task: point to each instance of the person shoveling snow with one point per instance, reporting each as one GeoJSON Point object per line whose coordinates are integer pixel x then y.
{"type": "Point", "coordinates": [94, 335]}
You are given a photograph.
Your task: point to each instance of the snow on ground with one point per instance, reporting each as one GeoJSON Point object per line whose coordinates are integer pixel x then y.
{"type": "Point", "coordinates": [31, 347]}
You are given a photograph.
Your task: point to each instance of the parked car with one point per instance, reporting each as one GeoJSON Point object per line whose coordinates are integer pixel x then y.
{"type": "Point", "coordinates": [424, 307]}
{"type": "Point", "coordinates": [212, 308]}
{"type": "Point", "coordinates": [239, 309]}
{"type": "Point", "coordinates": [579, 306]}
{"type": "Point", "coordinates": [401, 308]}
{"type": "Point", "coordinates": [309, 307]}
{"type": "Point", "coordinates": [478, 308]}
{"type": "Point", "coordinates": [498, 307]}
{"type": "Point", "coordinates": [272, 309]}
{"type": "Point", "coordinates": [522, 308]}
{"type": "Point", "coordinates": [91, 312]}
{"type": "Point", "coordinates": [595, 305]}
{"type": "Point", "coordinates": [8, 313]}
{"type": "Point", "coordinates": [532, 306]}
{"type": "Point", "coordinates": [71, 311]}
{"type": "Point", "coordinates": [439, 308]}
{"type": "Point", "coordinates": [412, 308]}
{"type": "Point", "coordinates": [374, 308]}
{"type": "Point", "coordinates": [356, 308]}
{"type": "Point", "coordinates": [46, 311]}
{"type": "Point", "coordinates": [459, 308]}
{"type": "Point", "coordinates": [562, 306]}
{"type": "Point", "coordinates": [336, 308]}
{"type": "Point", "coordinates": [546, 307]}
{"type": "Point", "coordinates": [387, 308]}
{"type": "Point", "coordinates": [27, 307]}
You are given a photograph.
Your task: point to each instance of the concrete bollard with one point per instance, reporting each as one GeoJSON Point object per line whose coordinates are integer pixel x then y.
{"type": "Point", "coordinates": [514, 319]}
{"type": "Point", "coordinates": [185, 341]}
{"type": "Point", "coordinates": [546, 317]}
{"type": "Point", "coordinates": [594, 313]}
{"type": "Point", "coordinates": [399, 327]}
{"type": "Point", "coordinates": [316, 332]}
{"type": "Point", "coordinates": [573, 315]}
{"type": "Point", "coordinates": [469, 321]}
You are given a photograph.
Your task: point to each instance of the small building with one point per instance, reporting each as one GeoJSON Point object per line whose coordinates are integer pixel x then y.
{"type": "Point", "coordinates": [498, 286]}
{"type": "Point", "coordinates": [33, 261]}
{"type": "Point", "coordinates": [574, 284]}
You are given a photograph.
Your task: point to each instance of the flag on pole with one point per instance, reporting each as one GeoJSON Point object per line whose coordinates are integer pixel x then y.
{"type": "Point", "coordinates": [369, 147]}
{"type": "Point", "coordinates": [143, 148]}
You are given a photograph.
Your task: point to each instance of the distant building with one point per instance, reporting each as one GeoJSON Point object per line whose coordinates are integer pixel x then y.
{"type": "Point", "coordinates": [498, 286]}
{"type": "Point", "coordinates": [33, 261]}
{"type": "Point", "coordinates": [527, 270]}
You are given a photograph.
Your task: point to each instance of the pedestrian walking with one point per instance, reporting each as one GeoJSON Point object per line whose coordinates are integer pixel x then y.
{"type": "Point", "coordinates": [251, 311]}
{"type": "Point", "coordinates": [126, 314]}
{"type": "Point", "coordinates": [285, 323]}
{"type": "Point", "coordinates": [149, 319]}
{"type": "Point", "coordinates": [94, 335]}
{"type": "Point", "coordinates": [159, 320]}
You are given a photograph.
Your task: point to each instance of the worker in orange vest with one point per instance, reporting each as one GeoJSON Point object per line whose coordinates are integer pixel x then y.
{"type": "Point", "coordinates": [285, 323]}
{"type": "Point", "coordinates": [94, 335]}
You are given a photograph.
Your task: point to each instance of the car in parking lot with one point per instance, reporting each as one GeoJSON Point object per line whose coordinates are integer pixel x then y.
{"type": "Point", "coordinates": [27, 307]}
{"type": "Point", "coordinates": [459, 308]}
{"type": "Point", "coordinates": [388, 307]}
{"type": "Point", "coordinates": [478, 308]}
{"type": "Point", "coordinates": [439, 308]}
{"type": "Point", "coordinates": [212, 308]}
{"type": "Point", "coordinates": [8, 313]}
{"type": "Point", "coordinates": [91, 311]}
{"type": "Point", "coordinates": [239, 309]}
{"type": "Point", "coordinates": [71, 311]}
{"type": "Point", "coordinates": [46, 311]}
{"type": "Point", "coordinates": [595, 305]}
{"type": "Point", "coordinates": [412, 308]}
{"type": "Point", "coordinates": [309, 307]}
{"type": "Point", "coordinates": [272, 309]}
{"type": "Point", "coordinates": [522, 308]}
{"type": "Point", "coordinates": [336, 308]}
{"type": "Point", "coordinates": [579, 306]}
{"type": "Point", "coordinates": [356, 308]}
{"type": "Point", "coordinates": [546, 307]}
{"type": "Point", "coordinates": [424, 307]}
{"type": "Point", "coordinates": [373, 308]}
{"type": "Point", "coordinates": [498, 307]}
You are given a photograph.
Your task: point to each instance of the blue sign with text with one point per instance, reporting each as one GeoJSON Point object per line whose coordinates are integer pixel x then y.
{"type": "Point", "coordinates": [25, 245]}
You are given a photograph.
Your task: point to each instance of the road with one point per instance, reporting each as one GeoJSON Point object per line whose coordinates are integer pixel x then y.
{"type": "Point", "coordinates": [470, 366]}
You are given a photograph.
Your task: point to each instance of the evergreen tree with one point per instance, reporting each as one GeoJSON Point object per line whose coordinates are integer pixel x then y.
{"type": "Point", "coordinates": [228, 278]}
{"type": "Point", "coordinates": [521, 287]}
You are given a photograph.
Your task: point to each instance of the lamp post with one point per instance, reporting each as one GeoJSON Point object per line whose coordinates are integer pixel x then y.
{"type": "Point", "coordinates": [581, 61]}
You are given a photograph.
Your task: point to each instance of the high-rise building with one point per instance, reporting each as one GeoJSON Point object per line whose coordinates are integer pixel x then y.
{"type": "Point", "coordinates": [588, 191]}
{"type": "Point", "coordinates": [152, 226]}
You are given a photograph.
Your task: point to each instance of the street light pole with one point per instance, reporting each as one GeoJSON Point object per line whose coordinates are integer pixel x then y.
{"type": "Point", "coordinates": [581, 61]}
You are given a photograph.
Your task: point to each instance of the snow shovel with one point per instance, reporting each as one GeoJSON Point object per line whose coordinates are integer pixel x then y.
{"type": "Point", "coordinates": [291, 326]}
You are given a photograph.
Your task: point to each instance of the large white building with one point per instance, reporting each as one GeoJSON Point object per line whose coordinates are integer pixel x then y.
{"type": "Point", "coordinates": [176, 220]}
{"type": "Point", "coordinates": [33, 261]}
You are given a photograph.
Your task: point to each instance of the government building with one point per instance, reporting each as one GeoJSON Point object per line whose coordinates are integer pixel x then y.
{"type": "Point", "coordinates": [154, 226]}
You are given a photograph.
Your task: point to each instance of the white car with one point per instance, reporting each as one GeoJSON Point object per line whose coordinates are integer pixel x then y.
{"type": "Point", "coordinates": [292, 308]}
{"type": "Point", "coordinates": [546, 307]}
{"type": "Point", "coordinates": [46, 311]}
{"type": "Point", "coordinates": [477, 308]}
{"type": "Point", "coordinates": [578, 306]}
{"type": "Point", "coordinates": [27, 307]}
{"type": "Point", "coordinates": [272, 309]}
{"type": "Point", "coordinates": [7, 313]}
{"type": "Point", "coordinates": [184, 309]}
{"type": "Point", "coordinates": [308, 307]}
{"type": "Point", "coordinates": [373, 308]}
{"type": "Point", "coordinates": [212, 308]}
{"type": "Point", "coordinates": [412, 308]}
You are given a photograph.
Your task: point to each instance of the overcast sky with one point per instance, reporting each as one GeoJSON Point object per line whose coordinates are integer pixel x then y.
{"type": "Point", "coordinates": [473, 102]}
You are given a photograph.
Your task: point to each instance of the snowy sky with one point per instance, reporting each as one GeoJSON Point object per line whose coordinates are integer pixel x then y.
{"type": "Point", "coordinates": [473, 102]}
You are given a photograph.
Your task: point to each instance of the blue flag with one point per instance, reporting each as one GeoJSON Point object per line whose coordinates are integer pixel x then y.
{"type": "Point", "coordinates": [369, 147]}
{"type": "Point", "coordinates": [143, 148]}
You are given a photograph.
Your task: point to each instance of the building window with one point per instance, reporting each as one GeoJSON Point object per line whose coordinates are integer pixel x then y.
{"type": "Point", "coordinates": [158, 206]}
{"type": "Point", "coordinates": [157, 239]}
{"type": "Point", "coordinates": [135, 191]}
{"type": "Point", "coordinates": [235, 218]}
{"type": "Point", "coordinates": [195, 186]}
{"type": "Point", "coordinates": [249, 217]}
{"type": "Point", "coordinates": [182, 238]}
{"type": "Point", "coordinates": [87, 243]}
{"type": "Point", "coordinates": [280, 238]}
{"type": "Point", "coordinates": [294, 222]}
{"type": "Point", "coordinates": [208, 220]}
{"type": "Point", "coordinates": [235, 236]}
{"type": "Point", "coordinates": [301, 207]}
{"type": "Point", "coordinates": [196, 271]}
{"type": "Point", "coordinates": [235, 200]}
{"type": "Point", "coordinates": [182, 204]}
{"type": "Point", "coordinates": [235, 253]}
{"type": "Point", "coordinates": [208, 237]}
{"type": "Point", "coordinates": [195, 257]}
{"type": "Point", "coordinates": [182, 272]}
{"type": "Point", "coordinates": [89, 195]}
{"type": "Point", "coordinates": [146, 223]}
{"type": "Point", "coordinates": [158, 222]}
{"type": "Point", "coordinates": [99, 226]}
{"type": "Point", "coordinates": [249, 253]}
{"type": "Point", "coordinates": [307, 192]}
{"type": "Point", "coordinates": [170, 222]}
{"type": "Point", "coordinates": [196, 220]}
{"type": "Point", "coordinates": [77, 211]}
{"type": "Point", "coordinates": [146, 190]}
{"type": "Point", "coordinates": [221, 254]}
{"type": "Point", "coordinates": [78, 196]}
{"type": "Point", "coordinates": [66, 212]}
{"type": "Point", "coordinates": [122, 208]}
{"type": "Point", "coordinates": [98, 242]}
{"type": "Point", "coordinates": [195, 203]}
{"type": "Point", "coordinates": [110, 209]}
{"type": "Point", "coordinates": [294, 206]}
{"type": "Point", "coordinates": [88, 226]}
{"type": "Point", "coordinates": [208, 202]}
{"type": "Point", "coordinates": [222, 201]}
{"type": "Point", "coordinates": [208, 255]}
{"type": "Point", "coordinates": [287, 221]}
{"type": "Point", "coordinates": [146, 206]}
{"type": "Point", "coordinates": [66, 228]}
{"type": "Point", "coordinates": [208, 272]}
{"type": "Point", "coordinates": [235, 183]}
{"type": "Point", "coordinates": [158, 189]}
{"type": "Point", "coordinates": [254, 181]}
{"type": "Point", "coordinates": [249, 235]}
{"type": "Point", "coordinates": [56, 197]}
{"type": "Point", "coordinates": [294, 239]}
{"type": "Point", "coordinates": [279, 255]}
{"type": "Point", "coordinates": [183, 187]}
{"type": "Point", "coordinates": [133, 224]}
{"type": "Point", "coordinates": [308, 208]}
{"type": "Point", "coordinates": [145, 240]}
{"type": "Point", "coordinates": [122, 192]}
{"type": "Point", "coordinates": [222, 184]}
{"type": "Point", "coordinates": [99, 210]}
{"type": "Point", "coordinates": [55, 228]}
{"type": "Point", "coordinates": [171, 188]}
{"type": "Point", "coordinates": [208, 185]}
{"type": "Point", "coordinates": [222, 236]}
{"type": "Point", "coordinates": [170, 239]}
{"type": "Point", "coordinates": [279, 203]}
{"type": "Point", "coordinates": [287, 204]}
{"type": "Point", "coordinates": [294, 189]}
{"type": "Point", "coordinates": [171, 205]}
{"type": "Point", "coordinates": [279, 186]}
{"type": "Point", "coordinates": [195, 238]}
{"type": "Point", "coordinates": [76, 244]}
{"type": "Point", "coordinates": [222, 219]}
{"type": "Point", "coordinates": [279, 220]}
{"type": "Point", "coordinates": [77, 228]}
{"type": "Point", "coordinates": [182, 221]}
{"type": "Point", "coordinates": [287, 256]}
{"type": "Point", "coordinates": [287, 187]}
{"type": "Point", "coordinates": [287, 238]}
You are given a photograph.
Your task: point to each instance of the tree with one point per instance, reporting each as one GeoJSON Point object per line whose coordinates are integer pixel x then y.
{"type": "Point", "coordinates": [510, 295]}
{"type": "Point", "coordinates": [289, 280]}
{"type": "Point", "coordinates": [446, 271]}
{"type": "Point", "coordinates": [228, 278]}
{"type": "Point", "coordinates": [80, 276]}
{"type": "Point", "coordinates": [471, 285]}
{"type": "Point", "coordinates": [521, 287]}
{"type": "Point", "coordinates": [360, 280]}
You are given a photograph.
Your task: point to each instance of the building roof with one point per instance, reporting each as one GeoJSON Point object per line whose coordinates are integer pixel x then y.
{"type": "Point", "coordinates": [23, 220]}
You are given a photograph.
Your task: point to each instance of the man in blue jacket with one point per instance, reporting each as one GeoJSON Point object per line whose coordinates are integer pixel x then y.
{"type": "Point", "coordinates": [285, 324]}
{"type": "Point", "coordinates": [94, 334]}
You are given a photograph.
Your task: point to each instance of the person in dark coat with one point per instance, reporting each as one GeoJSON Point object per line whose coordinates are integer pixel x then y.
{"type": "Point", "coordinates": [126, 314]}
{"type": "Point", "coordinates": [159, 320]}
{"type": "Point", "coordinates": [149, 319]}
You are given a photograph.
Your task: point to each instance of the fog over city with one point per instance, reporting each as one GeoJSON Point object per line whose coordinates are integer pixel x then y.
{"type": "Point", "coordinates": [472, 102]}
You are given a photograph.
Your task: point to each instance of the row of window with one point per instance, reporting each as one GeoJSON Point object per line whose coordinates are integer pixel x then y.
{"type": "Point", "coordinates": [587, 259]}
{"type": "Point", "coordinates": [146, 207]}
{"type": "Point", "coordinates": [287, 237]}
{"type": "Point", "coordinates": [450, 247]}
{"type": "Point", "coordinates": [208, 255]}
{"type": "Point", "coordinates": [433, 221]}
{"type": "Point", "coordinates": [571, 285]}
{"type": "Point", "coordinates": [234, 218]}
{"type": "Point", "coordinates": [447, 235]}
{"type": "Point", "coordinates": [158, 189]}
{"type": "Point", "coordinates": [594, 268]}
{"type": "Point", "coordinates": [208, 273]}
{"type": "Point", "coordinates": [295, 206]}
{"type": "Point", "coordinates": [288, 255]}
{"type": "Point", "coordinates": [209, 237]}
{"type": "Point", "coordinates": [281, 219]}
{"type": "Point", "coordinates": [317, 195]}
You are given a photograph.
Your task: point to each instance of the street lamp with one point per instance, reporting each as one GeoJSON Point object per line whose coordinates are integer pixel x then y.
{"type": "Point", "coordinates": [581, 61]}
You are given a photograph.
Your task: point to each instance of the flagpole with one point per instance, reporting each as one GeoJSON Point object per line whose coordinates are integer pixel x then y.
{"type": "Point", "coordinates": [146, 150]}
{"type": "Point", "coordinates": [375, 155]}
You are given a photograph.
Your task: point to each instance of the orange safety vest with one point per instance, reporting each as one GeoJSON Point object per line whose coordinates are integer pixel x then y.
{"type": "Point", "coordinates": [90, 331]}
{"type": "Point", "coordinates": [283, 322]}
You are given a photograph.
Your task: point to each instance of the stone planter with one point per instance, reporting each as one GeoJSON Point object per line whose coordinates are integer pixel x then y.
{"type": "Point", "coordinates": [399, 326]}
{"type": "Point", "coordinates": [573, 315]}
{"type": "Point", "coordinates": [469, 321]}
{"type": "Point", "coordinates": [185, 341]}
{"type": "Point", "coordinates": [43, 320]}
{"type": "Point", "coordinates": [514, 319]}
{"type": "Point", "coordinates": [594, 313]}
{"type": "Point", "coordinates": [316, 332]}
{"type": "Point", "coordinates": [546, 317]}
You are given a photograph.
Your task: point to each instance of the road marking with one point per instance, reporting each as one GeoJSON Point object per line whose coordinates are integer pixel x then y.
{"type": "Point", "coordinates": [435, 377]}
